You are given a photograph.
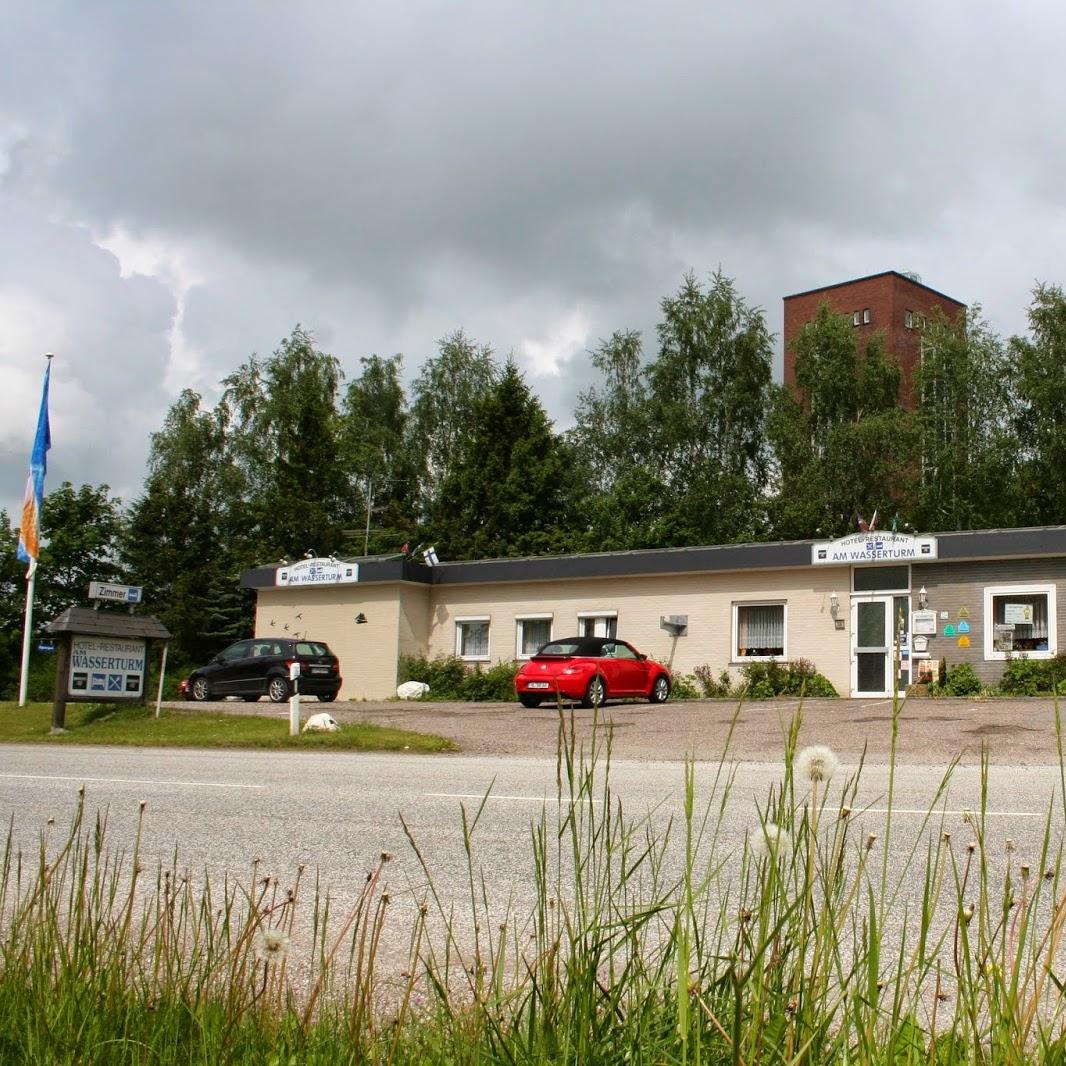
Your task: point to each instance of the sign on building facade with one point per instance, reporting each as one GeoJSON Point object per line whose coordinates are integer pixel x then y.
{"type": "Point", "coordinates": [865, 548]}
{"type": "Point", "coordinates": [317, 572]}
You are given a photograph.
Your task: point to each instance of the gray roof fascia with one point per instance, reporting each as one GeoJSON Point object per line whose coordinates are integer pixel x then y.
{"type": "Point", "coordinates": [649, 562]}
{"type": "Point", "coordinates": [372, 569]}
{"type": "Point", "coordinates": [1001, 543]}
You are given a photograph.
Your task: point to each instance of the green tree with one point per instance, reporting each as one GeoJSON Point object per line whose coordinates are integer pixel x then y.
{"type": "Point", "coordinates": [966, 406]}
{"type": "Point", "coordinates": [285, 439]}
{"type": "Point", "coordinates": [444, 396]}
{"type": "Point", "coordinates": [1040, 368]}
{"type": "Point", "coordinates": [186, 539]}
{"type": "Point", "coordinates": [708, 389]}
{"type": "Point", "coordinates": [80, 537]}
{"type": "Point", "coordinates": [624, 502]}
{"type": "Point", "coordinates": [12, 606]}
{"type": "Point", "coordinates": [509, 487]}
{"type": "Point", "coordinates": [379, 463]}
{"type": "Point", "coordinates": [844, 447]}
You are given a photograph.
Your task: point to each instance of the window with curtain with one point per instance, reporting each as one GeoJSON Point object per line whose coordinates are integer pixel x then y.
{"type": "Point", "coordinates": [597, 625]}
{"type": "Point", "coordinates": [1021, 619]}
{"type": "Point", "coordinates": [759, 630]}
{"type": "Point", "coordinates": [533, 634]}
{"type": "Point", "coordinates": [472, 638]}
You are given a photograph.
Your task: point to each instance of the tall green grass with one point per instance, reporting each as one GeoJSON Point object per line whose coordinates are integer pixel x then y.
{"type": "Point", "coordinates": [652, 939]}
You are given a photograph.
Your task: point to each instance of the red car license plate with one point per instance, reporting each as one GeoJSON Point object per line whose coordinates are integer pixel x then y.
{"type": "Point", "coordinates": [538, 684]}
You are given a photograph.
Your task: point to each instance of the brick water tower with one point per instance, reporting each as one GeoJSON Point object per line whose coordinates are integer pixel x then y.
{"type": "Point", "coordinates": [894, 304]}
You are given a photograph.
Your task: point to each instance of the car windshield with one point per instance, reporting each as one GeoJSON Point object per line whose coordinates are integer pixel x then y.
{"type": "Point", "coordinates": [584, 646]}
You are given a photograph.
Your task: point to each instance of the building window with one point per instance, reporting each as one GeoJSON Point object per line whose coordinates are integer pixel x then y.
{"type": "Point", "coordinates": [1020, 620]}
{"type": "Point", "coordinates": [866, 316]}
{"type": "Point", "coordinates": [908, 319]}
{"type": "Point", "coordinates": [597, 623]}
{"type": "Point", "coordinates": [856, 318]}
{"type": "Point", "coordinates": [758, 630]}
{"type": "Point", "coordinates": [533, 631]}
{"type": "Point", "coordinates": [472, 638]}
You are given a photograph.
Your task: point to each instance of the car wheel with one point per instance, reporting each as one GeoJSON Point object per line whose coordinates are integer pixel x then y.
{"type": "Point", "coordinates": [327, 697]}
{"type": "Point", "coordinates": [529, 701]}
{"type": "Point", "coordinates": [595, 694]}
{"type": "Point", "coordinates": [278, 689]}
{"type": "Point", "coordinates": [201, 690]}
{"type": "Point", "coordinates": [660, 691]}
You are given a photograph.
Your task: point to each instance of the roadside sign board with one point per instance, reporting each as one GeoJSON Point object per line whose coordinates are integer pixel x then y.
{"type": "Point", "coordinates": [106, 668]}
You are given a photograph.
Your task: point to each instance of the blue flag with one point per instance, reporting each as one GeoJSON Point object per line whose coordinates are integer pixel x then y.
{"type": "Point", "coordinates": [29, 548]}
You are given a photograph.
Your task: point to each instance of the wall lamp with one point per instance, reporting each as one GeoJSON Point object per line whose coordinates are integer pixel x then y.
{"type": "Point", "coordinates": [834, 604]}
{"type": "Point", "coordinates": [360, 619]}
{"type": "Point", "coordinates": [923, 599]}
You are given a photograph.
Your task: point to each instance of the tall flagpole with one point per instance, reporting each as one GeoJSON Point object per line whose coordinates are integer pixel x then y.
{"type": "Point", "coordinates": [29, 541]}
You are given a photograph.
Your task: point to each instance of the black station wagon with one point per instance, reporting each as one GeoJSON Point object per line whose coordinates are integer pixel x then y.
{"type": "Point", "coordinates": [260, 667]}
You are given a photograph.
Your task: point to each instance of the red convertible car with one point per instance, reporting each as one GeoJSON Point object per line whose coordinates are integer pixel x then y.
{"type": "Point", "coordinates": [590, 669]}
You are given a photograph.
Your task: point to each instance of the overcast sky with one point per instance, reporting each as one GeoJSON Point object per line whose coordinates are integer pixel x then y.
{"type": "Point", "coordinates": [182, 183]}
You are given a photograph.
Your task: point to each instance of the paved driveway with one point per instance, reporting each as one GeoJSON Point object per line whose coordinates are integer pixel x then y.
{"type": "Point", "coordinates": [930, 731]}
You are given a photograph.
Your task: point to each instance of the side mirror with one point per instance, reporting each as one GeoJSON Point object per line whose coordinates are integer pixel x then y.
{"type": "Point", "coordinates": [641, 656]}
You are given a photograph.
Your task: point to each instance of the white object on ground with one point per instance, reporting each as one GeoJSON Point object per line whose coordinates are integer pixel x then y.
{"type": "Point", "coordinates": [411, 690]}
{"type": "Point", "coordinates": [321, 723]}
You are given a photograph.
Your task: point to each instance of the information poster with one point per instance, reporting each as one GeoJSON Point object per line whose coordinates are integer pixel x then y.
{"type": "Point", "coordinates": [106, 668]}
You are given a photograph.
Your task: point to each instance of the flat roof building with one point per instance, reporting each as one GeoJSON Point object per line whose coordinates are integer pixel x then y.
{"type": "Point", "coordinates": [972, 597]}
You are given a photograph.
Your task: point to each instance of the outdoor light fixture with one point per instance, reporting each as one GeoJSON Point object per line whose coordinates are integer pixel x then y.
{"type": "Point", "coordinates": [923, 599]}
{"type": "Point", "coordinates": [360, 619]}
{"type": "Point", "coordinates": [834, 604]}
{"type": "Point", "coordinates": [310, 553]}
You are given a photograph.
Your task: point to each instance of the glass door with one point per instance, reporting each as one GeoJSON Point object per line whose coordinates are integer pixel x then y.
{"type": "Point", "coordinates": [871, 648]}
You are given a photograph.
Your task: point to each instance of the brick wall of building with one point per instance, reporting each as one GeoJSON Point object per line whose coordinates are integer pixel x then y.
{"type": "Point", "coordinates": [888, 298]}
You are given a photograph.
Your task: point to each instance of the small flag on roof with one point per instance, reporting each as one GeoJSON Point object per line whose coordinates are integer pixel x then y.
{"type": "Point", "coordinates": [430, 556]}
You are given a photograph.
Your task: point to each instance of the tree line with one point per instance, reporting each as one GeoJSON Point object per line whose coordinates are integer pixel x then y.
{"type": "Point", "coordinates": [686, 441]}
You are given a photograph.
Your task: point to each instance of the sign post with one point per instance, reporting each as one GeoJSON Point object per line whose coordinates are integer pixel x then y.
{"type": "Point", "coordinates": [294, 700]}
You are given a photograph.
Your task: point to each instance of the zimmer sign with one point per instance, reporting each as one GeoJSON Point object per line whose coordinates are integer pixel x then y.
{"type": "Point", "coordinates": [106, 668]}
{"type": "Point", "coordinates": [862, 548]}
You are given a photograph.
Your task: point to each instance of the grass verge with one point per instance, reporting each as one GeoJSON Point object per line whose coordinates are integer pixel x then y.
{"type": "Point", "coordinates": [91, 723]}
{"type": "Point", "coordinates": [795, 940]}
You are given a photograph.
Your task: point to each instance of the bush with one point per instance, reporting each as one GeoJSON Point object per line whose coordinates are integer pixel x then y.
{"type": "Point", "coordinates": [449, 678]}
{"type": "Point", "coordinates": [763, 680]}
{"type": "Point", "coordinates": [685, 687]}
{"type": "Point", "coordinates": [714, 688]}
{"type": "Point", "coordinates": [1030, 677]}
{"type": "Point", "coordinates": [960, 680]}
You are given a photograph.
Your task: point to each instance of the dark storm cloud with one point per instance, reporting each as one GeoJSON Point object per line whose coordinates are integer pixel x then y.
{"type": "Point", "coordinates": [538, 174]}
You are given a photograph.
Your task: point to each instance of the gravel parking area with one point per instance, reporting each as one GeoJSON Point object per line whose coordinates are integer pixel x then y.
{"type": "Point", "coordinates": [930, 731]}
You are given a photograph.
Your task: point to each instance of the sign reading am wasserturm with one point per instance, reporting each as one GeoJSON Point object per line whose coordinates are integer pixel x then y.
{"type": "Point", "coordinates": [317, 572]}
{"type": "Point", "coordinates": [874, 548]}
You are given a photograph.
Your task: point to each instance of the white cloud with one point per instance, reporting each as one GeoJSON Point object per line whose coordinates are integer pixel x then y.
{"type": "Point", "coordinates": [551, 355]}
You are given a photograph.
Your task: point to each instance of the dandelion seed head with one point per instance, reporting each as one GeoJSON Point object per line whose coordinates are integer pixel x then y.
{"type": "Point", "coordinates": [271, 945]}
{"type": "Point", "coordinates": [768, 841]}
{"type": "Point", "coordinates": [816, 763]}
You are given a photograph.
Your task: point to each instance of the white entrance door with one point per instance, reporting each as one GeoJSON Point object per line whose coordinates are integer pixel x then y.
{"type": "Point", "coordinates": [871, 646]}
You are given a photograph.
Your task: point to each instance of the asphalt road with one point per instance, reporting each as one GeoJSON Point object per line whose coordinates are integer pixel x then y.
{"type": "Point", "coordinates": [338, 812]}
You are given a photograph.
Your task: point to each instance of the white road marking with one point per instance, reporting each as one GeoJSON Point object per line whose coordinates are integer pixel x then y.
{"type": "Point", "coordinates": [933, 814]}
{"type": "Point", "coordinates": [127, 781]}
{"type": "Point", "coordinates": [493, 796]}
